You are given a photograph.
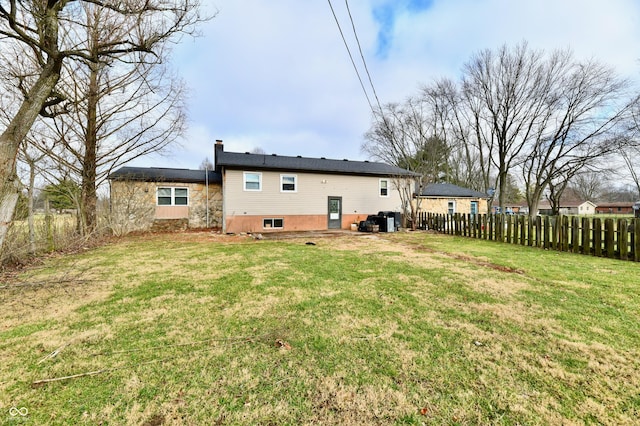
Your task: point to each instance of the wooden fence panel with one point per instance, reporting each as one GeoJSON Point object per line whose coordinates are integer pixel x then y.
{"type": "Point", "coordinates": [597, 237]}
{"type": "Point", "coordinates": [547, 233]}
{"type": "Point", "coordinates": [586, 236]}
{"type": "Point", "coordinates": [623, 239]}
{"type": "Point", "coordinates": [590, 236]}
{"type": "Point", "coordinates": [575, 234]}
{"type": "Point", "coordinates": [636, 245]}
{"type": "Point", "coordinates": [609, 238]}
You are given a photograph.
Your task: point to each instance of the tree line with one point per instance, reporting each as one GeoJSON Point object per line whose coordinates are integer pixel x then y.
{"type": "Point", "coordinates": [517, 120]}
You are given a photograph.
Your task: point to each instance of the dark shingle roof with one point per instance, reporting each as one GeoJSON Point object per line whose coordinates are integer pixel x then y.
{"type": "Point", "coordinates": [450, 190]}
{"type": "Point", "coordinates": [157, 174]}
{"type": "Point", "coordinates": [280, 162]}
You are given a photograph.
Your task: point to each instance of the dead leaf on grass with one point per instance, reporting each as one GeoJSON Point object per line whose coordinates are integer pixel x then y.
{"type": "Point", "coordinates": [282, 344]}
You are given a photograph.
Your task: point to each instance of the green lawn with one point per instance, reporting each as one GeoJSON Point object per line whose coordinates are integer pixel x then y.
{"type": "Point", "coordinates": [404, 328]}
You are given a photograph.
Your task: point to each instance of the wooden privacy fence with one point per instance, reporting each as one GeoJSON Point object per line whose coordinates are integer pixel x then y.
{"type": "Point", "coordinates": [604, 237]}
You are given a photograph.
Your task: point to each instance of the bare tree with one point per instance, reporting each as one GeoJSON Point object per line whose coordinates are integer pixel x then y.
{"type": "Point", "coordinates": [589, 184]}
{"type": "Point", "coordinates": [630, 155]}
{"type": "Point", "coordinates": [206, 164]}
{"type": "Point", "coordinates": [48, 32]}
{"type": "Point", "coordinates": [457, 115]}
{"type": "Point", "coordinates": [585, 108]}
{"type": "Point", "coordinates": [506, 93]}
{"type": "Point", "coordinates": [121, 111]}
{"type": "Point", "coordinates": [404, 135]}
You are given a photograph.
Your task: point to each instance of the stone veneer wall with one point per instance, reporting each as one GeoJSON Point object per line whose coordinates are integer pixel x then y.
{"type": "Point", "coordinates": [133, 205]}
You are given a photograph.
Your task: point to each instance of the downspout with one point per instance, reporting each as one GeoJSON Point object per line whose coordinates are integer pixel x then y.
{"type": "Point", "coordinates": [206, 185]}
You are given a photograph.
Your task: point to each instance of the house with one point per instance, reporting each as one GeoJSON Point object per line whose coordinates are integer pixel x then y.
{"type": "Point", "coordinates": [615, 208]}
{"type": "Point", "coordinates": [447, 198]}
{"type": "Point", "coordinates": [161, 198]}
{"type": "Point", "coordinates": [509, 208]}
{"type": "Point", "coordinates": [257, 193]}
{"type": "Point", "coordinates": [568, 207]}
{"type": "Point", "coordinates": [264, 193]}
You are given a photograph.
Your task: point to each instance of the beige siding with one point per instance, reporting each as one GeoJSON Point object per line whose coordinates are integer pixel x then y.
{"type": "Point", "coordinates": [360, 195]}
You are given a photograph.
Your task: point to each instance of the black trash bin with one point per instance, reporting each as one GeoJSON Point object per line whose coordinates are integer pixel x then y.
{"type": "Point", "coordinates": [391, 221]}
{"type": "Point", "coordinates": [636, 209]}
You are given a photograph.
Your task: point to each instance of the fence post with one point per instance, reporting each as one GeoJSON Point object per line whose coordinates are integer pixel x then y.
{"type": "Point", "coordinates": [597, 237]}
{"type": "Point", "coordinates": [538, 240]}
{"type": "Point", "coordinates": [636, 236]}
{"type": "Point", "coordinates": [529, 230]}
{"type": "Point", "coordinates": [575, 234]}
{"type": "Point", "coordinates": [609, 241]}
{"type": "Point", "coordinates": [546, 233]}
{"type": "Point", "coordinates": [555, 232]}
{"type": "Point", "coordinates": [509, 233]}
{"type": "Point", "coordinates": [586, 236]}
{"type": "Point", "coordinates": [522, 226]}
{"type": "Point", "coordinates": [485, 226]}
{"type": "Point", "coordinates": [623, 239]}
{"type": "Point", "coordinates": [565, 233]}
{"type": "Point", "coordinates": [463, 225]}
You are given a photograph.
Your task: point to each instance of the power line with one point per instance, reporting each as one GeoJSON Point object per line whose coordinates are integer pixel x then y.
{"type": "Point", "coordinates": [364, 62]}
{"type": "Point", "coordinates": [351, 57]}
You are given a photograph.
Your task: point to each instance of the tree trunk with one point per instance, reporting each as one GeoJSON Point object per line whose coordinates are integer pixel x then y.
{"type": "Point", "coordinates": [32, 230]}
{"type": "Point", "coordinates": [13, 135]}
{"type": "Point", "coordinates": [88, 201]}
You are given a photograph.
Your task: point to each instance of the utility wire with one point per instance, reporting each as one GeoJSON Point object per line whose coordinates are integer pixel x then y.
{"type": "Point", "coordinates": [351, 57]}
{"type": "Point", "coordinates": [364, 62]}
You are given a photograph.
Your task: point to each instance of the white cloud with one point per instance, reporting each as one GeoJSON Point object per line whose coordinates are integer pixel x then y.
{"type": "Point", "coordinates": [276, 75]}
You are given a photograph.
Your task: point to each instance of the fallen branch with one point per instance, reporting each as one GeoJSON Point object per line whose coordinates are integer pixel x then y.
{"type": "Point", "coordinates": [73, 376]}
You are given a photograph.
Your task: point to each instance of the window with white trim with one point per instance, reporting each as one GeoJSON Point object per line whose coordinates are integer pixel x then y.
{"type": "Point", "coordinates": [451, 207]}
{"type": "Point", "coordinates": [384, 188]}
{"type": "Point", "coordinates": [172, 196]}
{"type": "Point", "coordinates": [252, 181]}
{"type": "Point", "coordinates": [272, 223]}
{"type": "Point", "coordinates": [288, 183]}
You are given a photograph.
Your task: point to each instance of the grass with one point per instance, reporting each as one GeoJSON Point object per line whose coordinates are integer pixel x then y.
{"type": "Point", "coordinates": [405, 328]}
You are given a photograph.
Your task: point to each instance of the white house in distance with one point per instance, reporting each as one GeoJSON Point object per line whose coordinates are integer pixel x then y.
{"type": "Point", "coordinates": [568, 208]}
{"type": "Point", "coordinates": [262, 192]}
{"type": "Point", "coordinates": [257, 193]}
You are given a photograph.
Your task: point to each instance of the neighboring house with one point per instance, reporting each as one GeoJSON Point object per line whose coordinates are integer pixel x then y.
{"type": "Point", "coordinates": [257, 193]}
{"type": "Point", "coordinates": [271, 192]}
{"type": "Point", "coordinates": [615, 208]}
{"type": "Point", "coordinates": [446, 198]}
{"type": "Point", "coordinates": [145, 198]}
{"type": "Point", "coordinates": [568, 208]}
{"type": "Point", "coordinates": [509, 208]}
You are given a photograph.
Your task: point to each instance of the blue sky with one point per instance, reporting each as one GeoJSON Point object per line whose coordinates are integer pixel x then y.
{"type": "Point", "coordinates": [274, 74]}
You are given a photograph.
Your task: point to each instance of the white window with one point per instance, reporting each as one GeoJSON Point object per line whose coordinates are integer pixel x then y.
{"type": "Point", "coordinates": [474, 208]}
{"type": "Point", "coordinates": [451, 207]}
{"type": "Point", "coordinates": [384, 187]}
{"type": "Point", "coordinates": [288, 183]}
{"type": "Point", "coordinates": [272, 223]}
{"type": "Point", "coordinates": [171, 196]}
{"type": "Point", "coordinates": [252, 181]}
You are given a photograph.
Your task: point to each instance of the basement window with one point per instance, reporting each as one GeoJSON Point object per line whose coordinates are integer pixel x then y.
{"type": "Point", "coordinates": [272, 223]}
